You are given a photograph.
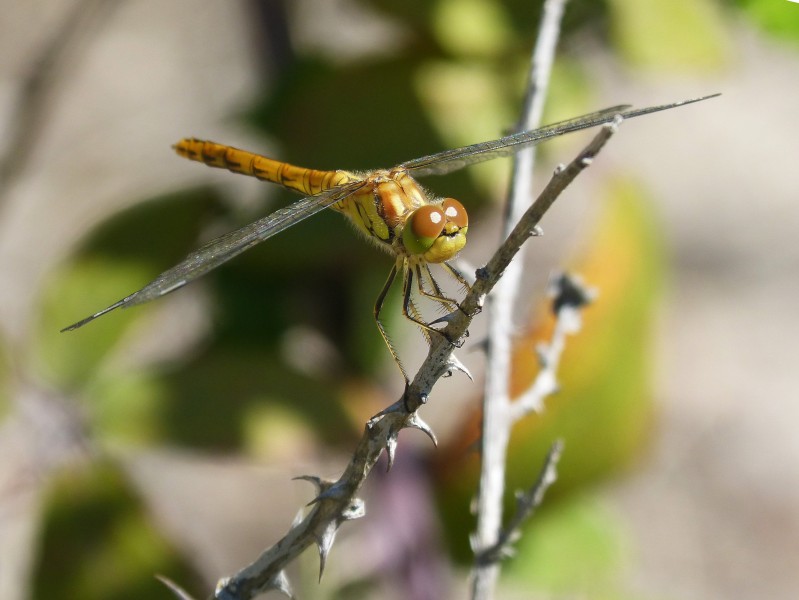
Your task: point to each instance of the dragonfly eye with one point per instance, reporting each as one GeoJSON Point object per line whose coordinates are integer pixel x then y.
{"type": "Point", "coordinates": [455, 212]}
{"type": "Point", "coordinates": [424, 225]}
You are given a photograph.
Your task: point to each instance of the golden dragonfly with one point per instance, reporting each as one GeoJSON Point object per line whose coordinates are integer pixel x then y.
{"type": "Point", "coordinates": [387, 206]}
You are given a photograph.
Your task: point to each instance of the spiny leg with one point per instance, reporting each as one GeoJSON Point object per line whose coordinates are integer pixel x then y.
{"type": "Point", "coordinates": [378, 307]}
{"type": "Point", "coordinates": [413, 309]}
{"type": "Point", "coordinates": [437, 295]}
{"type": "Point", "coordinates": [457, 275]}
{"type": "Point", "coordinates": [409, 310]}
{"type": "Point", "coordinates": [461, 278]}
{"type": "Point", "coordinates": [449, 303]}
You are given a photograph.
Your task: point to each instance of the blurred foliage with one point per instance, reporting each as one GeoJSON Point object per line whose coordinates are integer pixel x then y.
{"type": "Point", "coordinates": [604, 407]}
{"type": "Point", "coordinates": [98, 542]}
{"type": "Point", "coordinates": [577, 548]}
{"type": "Point", "coordinates": [681, 35]}
{"type": "Point", "coordinates": [778, 18]}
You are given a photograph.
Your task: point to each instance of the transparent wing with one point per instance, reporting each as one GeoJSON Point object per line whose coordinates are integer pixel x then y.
{"type": "Point", "coordinates": [227, 246]}
{"type": "Point", "coordinates": [458, 158]}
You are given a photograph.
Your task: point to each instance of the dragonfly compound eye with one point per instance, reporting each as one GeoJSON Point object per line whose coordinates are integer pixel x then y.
{"type": "Point", "coordinates": [422, 228]}
{"type": "Point", "coordinates": [455, 212]}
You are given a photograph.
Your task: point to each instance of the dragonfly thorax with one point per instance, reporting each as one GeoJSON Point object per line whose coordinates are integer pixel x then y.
{"type": "Point", "coordinates": [394, 211]}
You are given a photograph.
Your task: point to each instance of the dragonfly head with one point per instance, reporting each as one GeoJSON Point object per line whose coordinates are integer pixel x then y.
{"type": "Point", "coordinates": [437, 232]}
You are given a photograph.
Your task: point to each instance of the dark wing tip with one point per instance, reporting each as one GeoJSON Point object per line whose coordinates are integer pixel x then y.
{"type": "Point", "coordinates": [83, 322]}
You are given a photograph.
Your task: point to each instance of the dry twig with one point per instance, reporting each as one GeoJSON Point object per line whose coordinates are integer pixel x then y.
{"type": "Point", "coordinates": [496, 400]}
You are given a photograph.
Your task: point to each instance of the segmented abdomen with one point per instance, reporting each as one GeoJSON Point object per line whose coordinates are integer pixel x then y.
{"type": "Point", "coordinates": [306, 181]}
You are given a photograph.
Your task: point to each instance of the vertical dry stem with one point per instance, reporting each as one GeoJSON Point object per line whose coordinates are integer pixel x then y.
{"type": "Point", "coordinates": [496, 414]}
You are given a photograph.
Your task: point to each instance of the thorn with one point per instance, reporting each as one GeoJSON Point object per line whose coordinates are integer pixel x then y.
{"type": "Point", "coordinates": [455, 364]}
{"type": "Point", "coordinates": [447, 318]}
{"type": "Point", "coordinates": [280, 583]}
{"type": "Point", "coordinates": [537, 231]}
{"type": "Point", "coordinates": [298, 518]}
{"type": "Point", "coordinates": [391, 448]}
{"type": "Point", "coordinates": [174, 587]}
{"type": "Point", "coordinates": [415, 421]}
{"type": "Point", "coordinates": [316, 481]}
{"type": "Point", "coordinates": [324, 542]}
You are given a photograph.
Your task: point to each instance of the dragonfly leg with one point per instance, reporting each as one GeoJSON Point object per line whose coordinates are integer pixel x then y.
{"type": "Point", "coordinates": [408, 302]}
{"type": "Point", "coordinates": [436, 295]}
{"type": "Point", "coordinates": [378, 307]}
{"type": "Point", "coordinates": [460, 277]}
{"type": "Point", "coordinates": [409, 310]}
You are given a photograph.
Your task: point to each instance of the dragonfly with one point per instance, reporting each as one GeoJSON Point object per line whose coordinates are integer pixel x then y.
{"type": "Point", "coordinates": [388, 206]}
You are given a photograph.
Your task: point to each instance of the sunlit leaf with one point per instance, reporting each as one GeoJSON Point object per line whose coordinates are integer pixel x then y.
{"type": "Point", "coordinates": [472, 27]}
{"type": "Point", "coordinates": [70, 358]}
{"type": "Point", "coordinates": [578, 548]}
{"type": "Point", "coordinates": [780, 18]}
{"type": "Point", "coordinates": [684, 35]}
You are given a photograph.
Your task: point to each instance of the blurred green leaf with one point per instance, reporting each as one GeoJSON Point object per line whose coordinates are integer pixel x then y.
{"type": "Point", "coordinates": [681, 35]}
{"type": "Point", "coordinates": [97, 542]}
{"type": "Point", "coordinates": [472, 27]}
{"type": "Point", "coordinates": [128, 407]}
{"type": "Point", "coordinates": [210, 398]}
{"type": "Point", "coordinates": [779, 18]}
{"type": "Point", "coordinates": [70, 358]}
{"type": "Point", "coordinates": [576, 548]}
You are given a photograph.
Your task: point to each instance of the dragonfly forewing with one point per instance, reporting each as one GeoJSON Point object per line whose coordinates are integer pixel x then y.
{"type": "Point", "coordinates": [458, 158]}
{"type": "Point", "coordinates": [228, 246]}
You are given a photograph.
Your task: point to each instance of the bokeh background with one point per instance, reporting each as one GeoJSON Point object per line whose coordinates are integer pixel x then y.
{"type": "Point", "coordinates": [163, 439]}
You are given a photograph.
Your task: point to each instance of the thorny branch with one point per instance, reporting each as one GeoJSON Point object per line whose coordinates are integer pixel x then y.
{"type": "Point", "coordinates": [337, 501]}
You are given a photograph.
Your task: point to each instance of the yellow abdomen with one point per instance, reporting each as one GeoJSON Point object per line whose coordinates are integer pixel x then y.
{"type": "Point", "coordinates": [300, 179]}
